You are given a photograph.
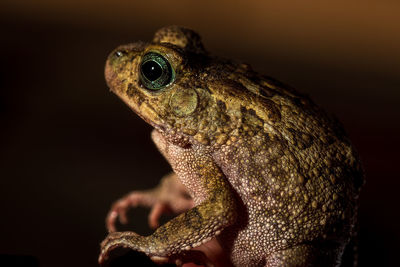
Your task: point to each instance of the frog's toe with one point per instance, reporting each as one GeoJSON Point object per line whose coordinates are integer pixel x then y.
{"type": "Point", "coordinates": [157, 210]}
{"type": "Point", "coordinates": [119, 239]}
{"type": "Point", "coordinates": [120, 208]}
{"type": "Point", "coordinates": [187, 258]}
{"type": "Point", "coordinates": [160, 259]}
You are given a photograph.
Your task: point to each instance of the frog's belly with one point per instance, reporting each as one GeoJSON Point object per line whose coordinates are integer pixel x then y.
{"type": "Point", "coordinates": [248, 240]}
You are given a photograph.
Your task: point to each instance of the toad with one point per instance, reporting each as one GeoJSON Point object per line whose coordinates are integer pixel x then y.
{"type": "Point", "coordinates": [256, 165]}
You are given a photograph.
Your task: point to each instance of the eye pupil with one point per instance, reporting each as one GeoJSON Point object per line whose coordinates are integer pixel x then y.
{"type": "Point", "coordinates": [151, 70]}
{"type": "Point", "coordinates": [155, 71]}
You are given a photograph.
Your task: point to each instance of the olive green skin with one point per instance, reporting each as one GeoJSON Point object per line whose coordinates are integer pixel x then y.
{"type": "Point", "coordinates": [272, 175]}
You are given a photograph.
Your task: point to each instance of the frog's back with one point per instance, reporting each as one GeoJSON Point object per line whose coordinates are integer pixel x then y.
{"type": "Point", "coordinates": [293, 167]}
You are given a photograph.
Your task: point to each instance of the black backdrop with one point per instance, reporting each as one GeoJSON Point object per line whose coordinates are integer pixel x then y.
{"type": "Point", "coordinates": [69, 147]}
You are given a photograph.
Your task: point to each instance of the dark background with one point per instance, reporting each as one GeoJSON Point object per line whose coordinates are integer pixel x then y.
{"type": "Point", "coordinates": [69, 147]}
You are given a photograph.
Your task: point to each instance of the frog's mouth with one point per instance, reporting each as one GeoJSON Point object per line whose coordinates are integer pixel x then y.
{"type": "Point", "coordinates": [170, 134]}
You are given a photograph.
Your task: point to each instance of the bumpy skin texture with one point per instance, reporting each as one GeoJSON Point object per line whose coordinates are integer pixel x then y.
{"type": "Point", "coordinates": [270, 174]}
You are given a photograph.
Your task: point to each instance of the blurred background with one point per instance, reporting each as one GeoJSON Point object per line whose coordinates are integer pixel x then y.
{"type": "Point", "coordinates": [69, 147]}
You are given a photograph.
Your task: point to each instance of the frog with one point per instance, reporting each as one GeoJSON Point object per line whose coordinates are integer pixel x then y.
{"type": "Point", "coordinates": [257, 166]}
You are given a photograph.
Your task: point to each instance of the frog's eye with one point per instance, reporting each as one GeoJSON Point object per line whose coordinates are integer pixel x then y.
{"type": "Point", "coordinates": [155, 71]}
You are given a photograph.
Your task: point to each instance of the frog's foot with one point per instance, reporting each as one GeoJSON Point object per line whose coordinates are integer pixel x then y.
{"type": "Point", "coordinates": [133, 241]}
{"type": "Point", "coordinates": [170, 196]}
{"type": "Point", "coordinates": [119, 208]}
{"type": "Point", "coordinates": [116, 240]}
{"type": "Point", "coordinates": [193, 256]}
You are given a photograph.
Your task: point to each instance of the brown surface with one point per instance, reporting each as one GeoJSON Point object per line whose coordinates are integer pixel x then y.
{"type": "Point", "coordinates": [69, 147]}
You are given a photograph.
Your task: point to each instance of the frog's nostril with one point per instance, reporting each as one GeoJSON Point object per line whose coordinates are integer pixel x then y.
{"type": "Point", "coordinates": [117, 53]}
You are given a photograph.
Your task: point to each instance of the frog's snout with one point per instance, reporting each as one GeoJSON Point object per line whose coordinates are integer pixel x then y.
{"type": "Point", "coordinates": [109, 75]}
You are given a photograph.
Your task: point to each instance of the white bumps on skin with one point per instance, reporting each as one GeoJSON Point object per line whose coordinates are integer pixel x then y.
{"type": "Point", "coordinates": [180, 160]}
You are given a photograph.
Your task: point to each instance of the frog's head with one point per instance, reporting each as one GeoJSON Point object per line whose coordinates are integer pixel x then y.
{"type": "Point", "coordinates": [160, 80]}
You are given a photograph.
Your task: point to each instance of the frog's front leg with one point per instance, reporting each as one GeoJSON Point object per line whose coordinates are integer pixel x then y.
{"type": "Point", "coordinates": [127, 239]}
{"type": "Point", "coordinates": [170, 196]}
{"type": "Point", "coordinates": [192, 228]}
